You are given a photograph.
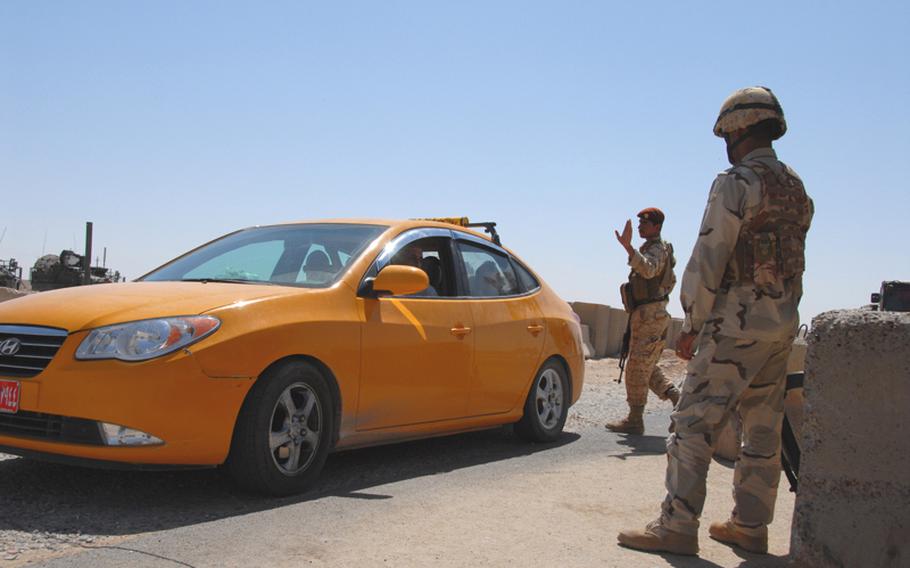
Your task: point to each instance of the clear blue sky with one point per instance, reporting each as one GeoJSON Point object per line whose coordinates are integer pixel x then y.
{"type": "Point", "coordinates": [170, 123]}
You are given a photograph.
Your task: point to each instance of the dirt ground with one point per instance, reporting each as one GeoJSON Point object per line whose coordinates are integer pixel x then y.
{"type": "Point", "coordinates": [604, 399]}
{"type": "Point", "coordinates": [10, 294]}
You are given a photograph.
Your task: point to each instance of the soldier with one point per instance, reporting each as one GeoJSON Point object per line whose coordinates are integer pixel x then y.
{"type": "Point", "coordinates": [740, 293]}
{"type": "Point", "coordinates": [645, 297]}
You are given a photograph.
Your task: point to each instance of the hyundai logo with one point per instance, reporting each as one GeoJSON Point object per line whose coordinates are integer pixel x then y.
{"type": "Point", "coordinates": [9, 347]}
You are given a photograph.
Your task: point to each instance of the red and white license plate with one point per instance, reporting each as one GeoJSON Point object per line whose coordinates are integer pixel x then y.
{"type": "Point", "coordinates": [9, 396]}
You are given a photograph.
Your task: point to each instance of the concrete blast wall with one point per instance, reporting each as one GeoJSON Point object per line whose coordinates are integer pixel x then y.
{"type": "Point", "coordinates": [607, 326]}
{"type": "Point", "coordinates": [597, 318]}
{"type": "Point", "coordinates": [853, 503]}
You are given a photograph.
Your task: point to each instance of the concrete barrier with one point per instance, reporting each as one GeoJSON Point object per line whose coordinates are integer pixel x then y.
{"type": "Point", "coordinates": [607, 326]}
{"type": "Point", "coordinates": [586, 341]}
{"type": "Point", "coordinates": [597, 318]}
{"type": "Point", "coordinates": [853, 503]}
{"type": "Point", "coordinates": [673, 331]}
{"type": "Point", "coordinates": [797, 361]}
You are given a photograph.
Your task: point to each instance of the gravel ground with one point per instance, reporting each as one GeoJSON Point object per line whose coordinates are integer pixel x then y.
{"type": "Point", "coordinates": [604, 399]}
{"type": "Point", "coordinates": [47, 510]}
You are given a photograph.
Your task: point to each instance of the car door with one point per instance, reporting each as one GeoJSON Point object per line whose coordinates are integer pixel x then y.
{"type": "Point", "coordinates": [417, 350]}
{"type": "Point", "coordinates": [509, 327]}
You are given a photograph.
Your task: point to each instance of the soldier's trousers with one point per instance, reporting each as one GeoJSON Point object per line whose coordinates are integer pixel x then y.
{"type": "Point", "coordinates": [727, 372]}
{"type": "Point", "coordinates": [648, 325]}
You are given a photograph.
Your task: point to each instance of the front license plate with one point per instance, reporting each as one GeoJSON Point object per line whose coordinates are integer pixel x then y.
{"type": "Point", "coordinates": [9, 397]}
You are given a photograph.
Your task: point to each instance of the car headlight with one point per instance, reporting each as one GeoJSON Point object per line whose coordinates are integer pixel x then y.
{"type": "Point", "coordinates": [146, 339]}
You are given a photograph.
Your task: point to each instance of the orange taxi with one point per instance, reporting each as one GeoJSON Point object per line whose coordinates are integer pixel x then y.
{"type": "Point", "coordinates": [269, 347]}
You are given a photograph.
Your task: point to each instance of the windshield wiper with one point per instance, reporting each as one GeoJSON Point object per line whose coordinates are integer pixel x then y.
{"type": "Point", "coordinates": [225, 281]}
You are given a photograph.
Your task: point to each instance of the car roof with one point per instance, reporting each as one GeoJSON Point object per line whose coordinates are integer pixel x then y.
{"type": "Point", "coordinates": [398, 224]}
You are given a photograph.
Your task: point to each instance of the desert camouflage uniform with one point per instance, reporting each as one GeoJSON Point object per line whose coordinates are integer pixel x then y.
{"type": "Point", "coordinates": [747, 327]}
{"type": "Point", "coordinates": [648, 325]}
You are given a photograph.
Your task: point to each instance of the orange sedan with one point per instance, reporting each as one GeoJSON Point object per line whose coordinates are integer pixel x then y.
{"type": "Point", "coordinates": [270, 347]}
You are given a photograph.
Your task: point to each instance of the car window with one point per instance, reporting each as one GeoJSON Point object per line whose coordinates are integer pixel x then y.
{"type": "Point", "coordinates": [252, 262]}
{"type": "Point", "coordinates": [317, 267]}
{"type": "Point", "coordinates": [526, 280]}
{"type": "Point", "coordinates": [311, 255]}
{"type": "Point", "coordinates": [433, 256]}
{"type": "Point", "coordinates": [489, 273]}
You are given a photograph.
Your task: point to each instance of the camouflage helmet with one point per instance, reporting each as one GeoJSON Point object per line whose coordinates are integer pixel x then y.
{"type": "Point", "coordinates": [747, 107]}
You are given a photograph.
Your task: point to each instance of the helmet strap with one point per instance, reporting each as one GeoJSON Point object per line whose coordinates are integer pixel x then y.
{"type": "Point", "coordinates": [732, 145]}
{"type": "Point", "coordinates": [739, 140]}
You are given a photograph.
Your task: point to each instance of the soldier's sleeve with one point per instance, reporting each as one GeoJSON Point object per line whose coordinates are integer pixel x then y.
{"type": "Point", "coordinates": [651, 262]}
{"type": "Point", "coordinates": [717, 237]}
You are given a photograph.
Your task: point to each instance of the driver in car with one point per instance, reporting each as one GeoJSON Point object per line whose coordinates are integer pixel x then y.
{"type": "Point", "coordinates": [412, 255]}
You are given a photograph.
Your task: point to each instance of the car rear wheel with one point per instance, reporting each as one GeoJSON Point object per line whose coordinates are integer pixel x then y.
{"type": "Point", "coordinates": [283, 433]}
{"type": "Point", "coordinates": [546, 406]}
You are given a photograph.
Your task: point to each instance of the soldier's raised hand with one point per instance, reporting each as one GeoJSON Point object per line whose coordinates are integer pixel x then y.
{"type": "Point", "coordinates": [625, 239]}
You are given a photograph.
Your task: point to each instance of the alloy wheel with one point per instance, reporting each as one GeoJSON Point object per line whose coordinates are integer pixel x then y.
{"type": "Point", "coordinates": [296, 428]}
{"type": "Point", "coordinates": [549, 398]}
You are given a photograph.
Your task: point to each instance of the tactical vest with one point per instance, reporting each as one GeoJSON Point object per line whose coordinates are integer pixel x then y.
{"type": "Point", "coordinates": [641, 291]}
{"type": "Point", "coordinates": [771, 247]}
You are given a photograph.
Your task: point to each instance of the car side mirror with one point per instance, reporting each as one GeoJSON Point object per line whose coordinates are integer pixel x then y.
{"type": "Point", "coordinates": [398, 280]}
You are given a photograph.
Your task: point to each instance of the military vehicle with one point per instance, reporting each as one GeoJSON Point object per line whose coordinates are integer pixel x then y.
{"type": "Point", "coordinates": [893, 297]}
{"type": "Point", "coordinates": [10, 274]}
{"type": "Point", "coordinates": [53, 271]}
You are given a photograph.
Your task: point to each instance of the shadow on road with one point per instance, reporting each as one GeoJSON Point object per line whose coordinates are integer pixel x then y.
{"type": "Point", "coordinates": [640, 446]}
{"type": "Point", "coordinates": [653, 445]}
{"type": "Point", "coordinates": [749, 561]}
{"type": "Point", "coordinates": [38, 496]}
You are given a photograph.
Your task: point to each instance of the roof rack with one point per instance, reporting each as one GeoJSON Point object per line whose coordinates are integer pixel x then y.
{"type": "Point", "coordinates": [489, 227]}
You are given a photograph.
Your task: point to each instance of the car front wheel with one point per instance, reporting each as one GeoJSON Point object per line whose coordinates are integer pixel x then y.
{"type": "Point", "coordinates": [283, 433]}
{"type": "Point", "coordinates": [546, 406]}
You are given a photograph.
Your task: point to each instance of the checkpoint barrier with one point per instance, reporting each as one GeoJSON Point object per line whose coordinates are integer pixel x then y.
{"type": "Point", "coordinates": [606, 327]}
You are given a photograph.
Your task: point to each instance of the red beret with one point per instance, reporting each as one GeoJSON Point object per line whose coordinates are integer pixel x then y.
{"type": "Point", "coordinates": [652, 214]}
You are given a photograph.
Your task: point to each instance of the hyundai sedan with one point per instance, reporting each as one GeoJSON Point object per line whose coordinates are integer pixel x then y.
{"type": "Point", "coordinates": [268, 348]}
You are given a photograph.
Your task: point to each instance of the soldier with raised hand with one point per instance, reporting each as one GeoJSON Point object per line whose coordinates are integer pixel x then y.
{"type": "Point", "coordinates": [645, 297]}
{"type": "Point", "coordinates": [740, 293]}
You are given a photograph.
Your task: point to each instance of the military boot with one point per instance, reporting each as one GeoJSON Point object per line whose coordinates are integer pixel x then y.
{"type": "Point", "coordinates": [656, 538]}
{"type": "Point", "coordinates": [672, 393]}
{"type": "Point", "coordinates": [727, 532]}
{"type": "Point", "coordinates": [632, 424]}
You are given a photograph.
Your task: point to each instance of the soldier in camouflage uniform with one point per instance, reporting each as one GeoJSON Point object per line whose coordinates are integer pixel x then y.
{"type": "Point", "coordinates": [740, 293]}
{"type": "Point", "coordinates": [645, 296]}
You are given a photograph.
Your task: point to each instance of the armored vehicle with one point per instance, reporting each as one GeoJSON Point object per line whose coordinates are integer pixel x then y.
{"type": "Point", "coordinates": [893, 297]}
{"type": "Point", "coordinates": [53, 271]}
{"type": "Point", "coordinates": [10, 274]}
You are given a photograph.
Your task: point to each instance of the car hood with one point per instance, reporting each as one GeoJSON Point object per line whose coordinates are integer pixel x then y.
{"type": "Point", "coordinates": [86, 307]}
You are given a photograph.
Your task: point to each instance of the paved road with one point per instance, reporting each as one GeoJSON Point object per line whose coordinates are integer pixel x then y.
{"type": "Point", "coordinates": [480, 499]}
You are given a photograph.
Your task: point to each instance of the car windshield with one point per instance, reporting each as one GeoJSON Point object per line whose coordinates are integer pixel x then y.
{"type": "Point", "coordinates": [309, 255]}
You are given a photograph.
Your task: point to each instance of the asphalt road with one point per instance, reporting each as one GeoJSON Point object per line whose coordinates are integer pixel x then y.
{"type": "Point", "coordinates": [479, 499]}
